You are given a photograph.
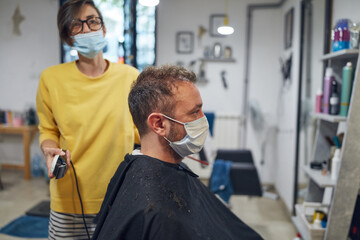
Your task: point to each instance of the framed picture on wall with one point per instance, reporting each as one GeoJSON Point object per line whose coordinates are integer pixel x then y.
{"type": "Point", "coordinates": [288, 31]}
{"type": "Point", "coordinates": [184, 42]}
{"type": "Point", "coordinates": [216, 20]}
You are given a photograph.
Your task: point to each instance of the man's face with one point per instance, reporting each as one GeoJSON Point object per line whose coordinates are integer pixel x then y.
{"type": "Point", "coordinates": [188, 108]}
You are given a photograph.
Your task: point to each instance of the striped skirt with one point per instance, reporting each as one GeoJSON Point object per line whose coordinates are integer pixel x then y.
{"type": "Point", "coordinates": [70, 226]}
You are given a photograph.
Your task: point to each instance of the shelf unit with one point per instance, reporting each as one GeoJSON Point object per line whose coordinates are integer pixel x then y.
{"type": "Point", "coordinates": [28, 133]}
{"type": "Point", "coordinates": [345, 53]}
{"type": "Point", "coordinates": [202, 78]}
{"type": "Point", "coordinates": [303, 225]}
{"type": "Point", "coordinates": [304, 232]}
{"type": "Point", "coordinates": [219, 60]}
{"type": "Point", "coordinates": [330, 118]}
{"type": "Point", "coordinates": [321, 180]}
{"type": "Point", "coordinates": [344, 191]}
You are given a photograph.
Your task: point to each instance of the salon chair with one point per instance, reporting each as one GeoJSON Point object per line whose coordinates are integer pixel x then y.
{"type": "Point", "coordinates": [243, 173]}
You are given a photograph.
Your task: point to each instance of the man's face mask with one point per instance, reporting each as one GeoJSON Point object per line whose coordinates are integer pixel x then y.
{"type": "Point", "coordinates": [193, 142]}
{"type": "Point", "coordinates": [89, 44]}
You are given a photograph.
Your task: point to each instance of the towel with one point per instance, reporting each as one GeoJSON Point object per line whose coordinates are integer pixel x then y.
{"type": "Point", "coordinates": [220, 182]}
{"type": "Point", "coordinates": [211, 118]}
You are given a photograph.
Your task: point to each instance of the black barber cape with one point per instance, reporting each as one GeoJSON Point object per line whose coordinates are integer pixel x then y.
{"type": "Point", "coordinates": [151, 199]}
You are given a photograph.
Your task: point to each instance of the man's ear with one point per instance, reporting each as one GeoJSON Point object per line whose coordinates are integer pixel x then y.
{"type": "Point", "coordinates": [156, 124]}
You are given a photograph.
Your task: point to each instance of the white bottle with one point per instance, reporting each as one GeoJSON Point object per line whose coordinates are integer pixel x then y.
{"type": "Point", "coordinates": [317, 222]}
{"type": "Point", "coordinates": [335, 165]}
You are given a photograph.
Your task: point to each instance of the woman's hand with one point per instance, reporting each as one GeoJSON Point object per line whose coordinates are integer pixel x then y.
{"type": "Point", "coordinates": [50, 153]}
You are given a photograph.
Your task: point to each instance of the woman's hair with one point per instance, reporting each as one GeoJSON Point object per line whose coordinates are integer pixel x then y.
{"type": "Point", "coordinates": [153, 91]}
{"type": "Point", "coordinates": [67, 12]}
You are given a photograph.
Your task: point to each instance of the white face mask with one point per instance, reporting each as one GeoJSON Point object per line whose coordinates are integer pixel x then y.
{"type": "Point", "coordinates": [89, 44]}
{"type": "Point", "coordinates": [193, 142]}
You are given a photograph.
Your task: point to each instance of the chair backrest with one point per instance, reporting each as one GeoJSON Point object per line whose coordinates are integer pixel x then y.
{"type": "Point", "coordinates": [243, 156]}
{"type": "Point", "coordinates": [245, 179]}
{"type": "Point", "coordinates": [243, 174]}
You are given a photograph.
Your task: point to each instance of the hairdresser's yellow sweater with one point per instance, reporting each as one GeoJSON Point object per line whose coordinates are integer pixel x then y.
{"type": "Point", "coordinates": [90, 117]}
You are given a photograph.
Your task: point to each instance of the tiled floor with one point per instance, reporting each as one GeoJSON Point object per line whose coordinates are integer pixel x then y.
{"type": "Point", "coordinates": [268, 217]}
{"type": "Point", "coordinates": [19, 196]}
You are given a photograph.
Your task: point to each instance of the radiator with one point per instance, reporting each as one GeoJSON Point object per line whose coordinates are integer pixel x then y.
{"type": "Point", "coordinates": [226, 132]}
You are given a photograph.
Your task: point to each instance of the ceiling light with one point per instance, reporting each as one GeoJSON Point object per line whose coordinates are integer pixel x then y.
{"type": "Point", "coordinates": [225, 29]}
{"type": "Point", "coordinates": [149, 3]}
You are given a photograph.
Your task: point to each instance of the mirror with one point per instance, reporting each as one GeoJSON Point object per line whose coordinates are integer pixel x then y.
{"type": "Point", "coordinates": [217, 50]}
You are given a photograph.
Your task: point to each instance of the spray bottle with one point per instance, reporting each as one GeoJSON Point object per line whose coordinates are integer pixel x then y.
{"type": "Point", "coordinates": [318, 101]}
{"type": "Point", "coordinates": [334, 99]}
{"type": "Point", "coordinates": [347, 77]}
{"type": "Point", "coordinates": [329, 77]}
{"type": "Point", "coordinates": [335, 165]}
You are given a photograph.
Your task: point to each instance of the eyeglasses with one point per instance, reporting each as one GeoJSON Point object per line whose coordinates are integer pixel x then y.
{"type": "Point", "coordinates": [94, 24]}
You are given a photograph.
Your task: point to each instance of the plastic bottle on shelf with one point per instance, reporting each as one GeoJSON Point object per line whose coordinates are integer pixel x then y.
{"type": "Point", "coordinates": [317, 222]}
{"type": "Point", "coordinates": [298, 236]}
{"type": "Point", "coordinates": [341, 35]}
{"type": "Point", "coordinates": [318, 101]}
{"type": "Point", "coordinates": [344, 42]}
{"type": "Point", "coordinates": [347, 78]}
{"type": "Point", "coordinates": [329, 77]}
{"type": "Point", "coordinates": [335, 165]}
{"type": "Point", "coordinates": [354, 29]}
{"type": "Point", "coordinates": [335, 36]}
{"type": "Point", "coordinates": [346, 38]}
{"type": "Point", "coordinates": [334, 99]}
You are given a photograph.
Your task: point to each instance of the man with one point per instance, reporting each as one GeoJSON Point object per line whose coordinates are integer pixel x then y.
{"type": "Point", "coordinates": [153, 195]}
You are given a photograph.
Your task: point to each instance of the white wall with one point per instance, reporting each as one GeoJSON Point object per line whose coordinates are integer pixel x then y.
{"type": "Point", "coordinates": [22, 58]}
{"type": "Point", "coordinates": [188, 15]}
{"type": "Point", "coordinates": [346, 9]}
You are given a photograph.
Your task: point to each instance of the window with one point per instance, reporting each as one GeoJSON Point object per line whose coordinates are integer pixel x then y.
{"type": "Point", "coordinates": [145, 40]}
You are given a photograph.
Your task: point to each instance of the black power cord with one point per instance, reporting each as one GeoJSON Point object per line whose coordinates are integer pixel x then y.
{"type": "Point", "coordinates": [82, 208]}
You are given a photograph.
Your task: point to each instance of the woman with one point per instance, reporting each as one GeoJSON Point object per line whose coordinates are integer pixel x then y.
{"type": "Point", "coordinates": [82, 107]}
